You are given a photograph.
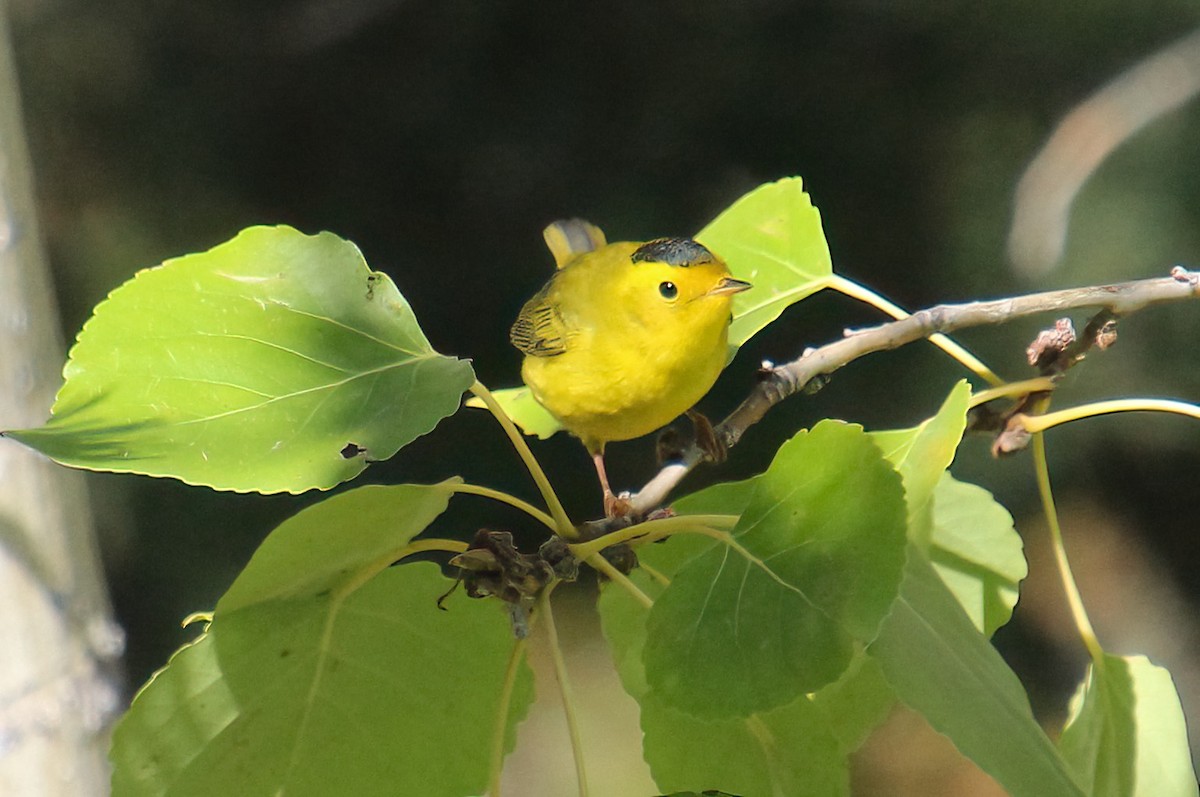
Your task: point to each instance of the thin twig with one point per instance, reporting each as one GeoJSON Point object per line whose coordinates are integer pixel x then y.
{"type": "Point", "coordinates": [782, 381]}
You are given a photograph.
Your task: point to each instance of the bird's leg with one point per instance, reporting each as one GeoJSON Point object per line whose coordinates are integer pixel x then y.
{"type": "Point", "coordinates": [706, 438]}
{"type": "Point", "coordinates": [614, 506]}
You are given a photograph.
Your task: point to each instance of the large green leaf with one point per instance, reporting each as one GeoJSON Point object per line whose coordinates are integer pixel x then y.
{"type": "Point", "coordinates": [1126, 736]}
{"type": "Point", "coordinates": [944, 668]}
{"type": "Point", "coordinates": [322, 675]}
{"type": "Point", "coordinates": [771, 237]}
{"type": "Point", "coordinates": [802, 747]}
{"type": "Point", "coordinates": [730, 637]}
{"type": "Point", "coordinates": [274, 362]}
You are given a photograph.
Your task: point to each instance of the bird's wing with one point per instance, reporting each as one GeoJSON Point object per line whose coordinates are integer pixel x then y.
{"type": "Point", "coordinates": [539, 330]}
{"type": "Point", "coordinates": [567, 239]}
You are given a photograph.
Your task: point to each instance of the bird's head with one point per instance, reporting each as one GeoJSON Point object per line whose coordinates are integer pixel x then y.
{"type": "Point", "coordinates": [679, 279]}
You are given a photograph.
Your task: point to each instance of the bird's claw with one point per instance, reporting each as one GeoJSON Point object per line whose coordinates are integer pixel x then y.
{"type": "Point", "coordinates": [616, 506]}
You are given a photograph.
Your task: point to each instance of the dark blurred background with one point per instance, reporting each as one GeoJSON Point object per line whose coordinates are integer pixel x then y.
{"type": "Point", "coordinates": [442, 136]}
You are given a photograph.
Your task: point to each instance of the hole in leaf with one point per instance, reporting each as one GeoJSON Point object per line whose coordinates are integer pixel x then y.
{"type": "Point", "coordinates": [352, 450]}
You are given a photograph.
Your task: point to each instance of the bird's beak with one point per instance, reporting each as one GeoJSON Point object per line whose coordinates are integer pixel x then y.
{"type": "Point", "coordinates": [729, 286]}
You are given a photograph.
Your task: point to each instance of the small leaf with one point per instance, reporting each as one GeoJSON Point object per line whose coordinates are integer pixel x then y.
{"type": "Point", "coordinates": [944, 668]}
{"type": "Point", "coordinates": [321, 675]}
{"type": "Point", "coordinates": [520, 405]}
{"type": "Point", "coordinates": [771, 237]}
{"type": "Point", "coordinates": [274, 362]}
{"type": "Point", "coordinates": [1126, 736]}
{"type": "Point", "coordinates": [730, 637]}
{"type": "Point", "coordinates": [976, 550]}
{"type": "Point", "coordinates": [922, 455]}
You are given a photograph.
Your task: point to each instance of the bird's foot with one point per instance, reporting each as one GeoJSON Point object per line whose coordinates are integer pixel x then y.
{"type": "Point", "coordinates": [617, 505]}
{"type": "Point", "coordinates": [714, 447]}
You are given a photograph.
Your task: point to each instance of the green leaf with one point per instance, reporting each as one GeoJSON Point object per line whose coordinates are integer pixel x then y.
{"type": "Point", "coordinates": [976, 550]}
{"type": "Point", "coordinates": [922, 455]}
{"type": "Point", "coordinates": [944, 668]}
{"type": "Point", "coordinates": [274, 362]}
{"type": "Point", "coordinates": [520, 405]}
{"type": "Point", "coordinates": [771, 237]}
{"type": "Point", "coordinates": [805, 745]}
{"type": "Point", "coordinates": [322, 675]}
{"type": "Point", "coordinates": [788, 750]}
{"type": "Point", "coordinates": [1126, 736]}
{"type": "Point", "coordinates": [968, 536]}
{"type": "Point", "coordinates": [730, 637]}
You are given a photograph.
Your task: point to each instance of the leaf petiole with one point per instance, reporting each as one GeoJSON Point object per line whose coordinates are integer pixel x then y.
{"type": "Point", "coordinates": [564, 687]}
{"type": "Point", "coordinates": [652, 530]}
{"type": "Point", "coordinates": [863, 294]}
{"type": "Point", "coordinates": [1040, 423]}
{"type": "Point", "coordinates": [1082, 623]}
{"type": "Point", "coordinates": [562, 524]}
{"type": "Point", "coordinates": [511, 500]}
{"type": "Point", "coordinates": [1040, 384]}
{"type": "Point", "coordinates": [506, 692]}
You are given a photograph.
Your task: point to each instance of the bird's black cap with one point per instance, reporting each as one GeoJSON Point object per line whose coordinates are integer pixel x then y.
{"type": "Point", "coordinates": [673, 252]}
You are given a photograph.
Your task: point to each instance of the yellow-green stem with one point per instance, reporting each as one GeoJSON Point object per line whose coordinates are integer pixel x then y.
{"type": "Point", "coordinates": [382, 563]}
{"type": "Point", "coordinates": [564, 688]}
{"type": "Point", "coordinates": [499, 732]}
{"type": "Point", "coordinates": [1074, 600]}
{"type": "Point", "coordinates": [1040, 423]}
{"type": "Point", "coordinates": [766, 740]}
{"type": "Point", "coordinates": [863, 294]}
{"type": "Point", "coordinates": [1040, 384]}
{"type": "Point", "coordinates": [617, 577]}
{"type": "Point", "coordinates": [653, 529]}
{"type": "Point", "coordinates": [561, 521]}
{"type": "Point", "coordinates": [511, 500]}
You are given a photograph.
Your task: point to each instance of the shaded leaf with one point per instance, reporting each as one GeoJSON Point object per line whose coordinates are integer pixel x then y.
{"type": "Point", "coordinates": [788, 750]}
{"type": "Point", "coordinates": [811, 738]}
{"type": "Point", "coordinates": [771, 237]}
{"type": "Point", "coordinates": [274, 362]}
{"type": "Point", "coordinates": [731, 638]}
{"type": "Point", "coordinates": [1126, 736]}
{"type": "Point", "coordinates": [944, 668]}
{"type": "Point", "coordinates": [520, 405]}
{"type": "Point", "coordinates": [321, 675]}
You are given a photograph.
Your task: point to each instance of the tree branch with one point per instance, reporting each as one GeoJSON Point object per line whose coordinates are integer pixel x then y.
{"type": "Point", "coordinates": [781, 381]}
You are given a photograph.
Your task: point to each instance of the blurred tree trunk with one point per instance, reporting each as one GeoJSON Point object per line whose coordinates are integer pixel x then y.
{"type": "Point", "coordinates": [58, 643]}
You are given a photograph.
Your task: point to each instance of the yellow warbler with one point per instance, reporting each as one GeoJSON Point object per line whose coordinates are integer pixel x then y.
{"type": "Point", "coordinates": [624, 337]}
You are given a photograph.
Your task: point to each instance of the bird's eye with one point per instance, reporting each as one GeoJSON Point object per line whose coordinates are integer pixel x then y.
{"type": "Point", "coordinates": [668, 290]}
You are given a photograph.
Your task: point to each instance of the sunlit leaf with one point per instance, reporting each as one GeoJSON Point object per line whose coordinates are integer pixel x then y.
{"type": "Point", "coordinates": [944, 668]}
{"type": "Point", "coordinates": [1126, 736]}
{"type": "Point", "coordinates": [922, 455]}
{"type": "Point", "coordinates": [976, 550]}
{"type": "Point", "coordinates": [730, 637]}
{"type": "Point", "coordinates": [274, 362]}
{"type": "Point", "coordinates": [771, 237]}
{"type": "Point", "coordinates": [322, 675]}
